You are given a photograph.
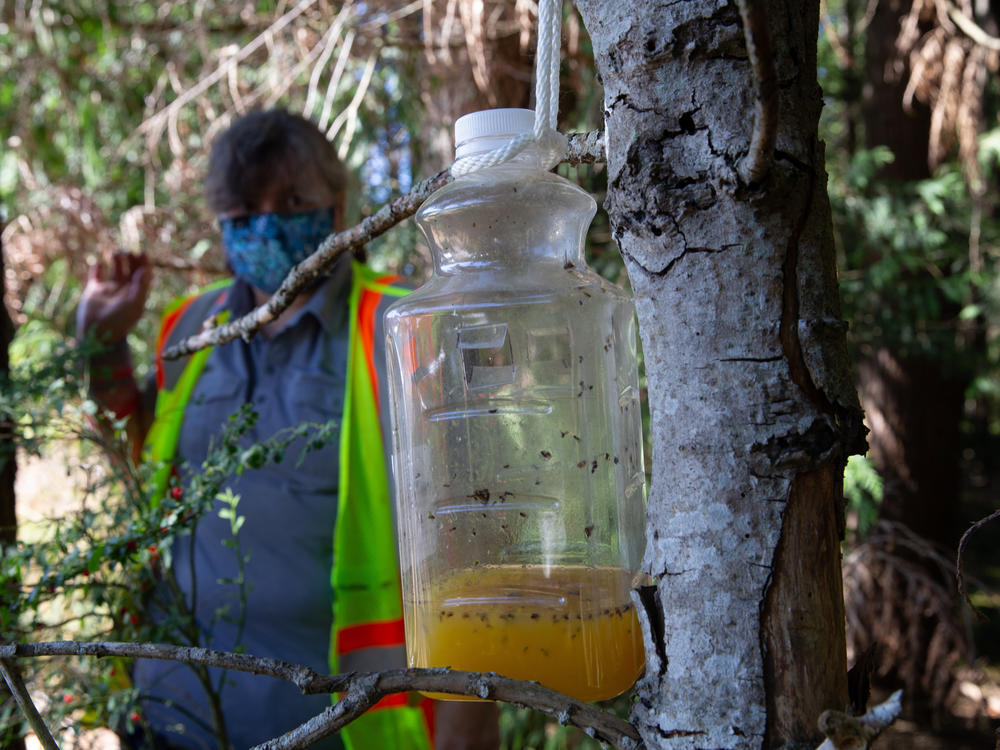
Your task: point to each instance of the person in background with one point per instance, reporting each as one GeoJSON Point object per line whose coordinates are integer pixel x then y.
{"type": "Point", "coordinates": [278, 189]}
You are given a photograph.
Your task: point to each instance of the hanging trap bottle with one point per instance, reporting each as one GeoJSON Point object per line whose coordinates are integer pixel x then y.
{"type": "Point", "coordinates": [517, 446]}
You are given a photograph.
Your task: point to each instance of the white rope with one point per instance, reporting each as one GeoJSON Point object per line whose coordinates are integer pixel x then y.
{"type": "Point", "coordinates": [547, 66]}
{"type": "Point", "coordinates": [550, 142]}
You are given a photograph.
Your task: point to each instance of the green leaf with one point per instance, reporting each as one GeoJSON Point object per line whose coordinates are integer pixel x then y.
{"type": "Point", "coordinates": [96, 557]}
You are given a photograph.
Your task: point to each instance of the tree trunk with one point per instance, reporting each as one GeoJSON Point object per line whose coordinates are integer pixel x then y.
{"type": "Point", "coordinates": [915, 411]}
{"type": "Point", "coordinates": [902, 601]}
{"type": "Point", "coordinates": [914, 408]}
{"type": "Point", "coordinates": [905, 131]}
{"type": "Point", "coordinates": [8, 467]}
{"type": "Point", "coordinates": [752, 402]}
{"type": "Point", "coordinates": [8, 521]}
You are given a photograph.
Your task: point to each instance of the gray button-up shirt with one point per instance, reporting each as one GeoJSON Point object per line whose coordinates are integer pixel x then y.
{"type": "Point", "coordinates": [287, 537]}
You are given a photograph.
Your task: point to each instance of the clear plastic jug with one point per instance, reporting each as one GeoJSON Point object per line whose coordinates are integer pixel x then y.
{"type": "Point", "coordinates": [517, 448]}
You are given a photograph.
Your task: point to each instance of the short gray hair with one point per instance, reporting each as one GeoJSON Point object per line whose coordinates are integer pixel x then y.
{"type": "Point", "coordinates": [247, 153]}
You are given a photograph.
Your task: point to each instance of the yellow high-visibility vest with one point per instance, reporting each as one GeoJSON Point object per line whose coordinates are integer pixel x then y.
{"type": "Point", "coordinates": [367, 604]}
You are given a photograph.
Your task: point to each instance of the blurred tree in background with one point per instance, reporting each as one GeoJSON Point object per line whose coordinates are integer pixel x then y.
{"type": "Point", "coordinates": [107, 109]}
{"type": "Point", "coordinates": [918, 220]}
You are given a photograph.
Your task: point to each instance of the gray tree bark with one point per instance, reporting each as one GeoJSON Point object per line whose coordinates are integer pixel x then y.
{"type": "Point", "coordinates": [753, 405]}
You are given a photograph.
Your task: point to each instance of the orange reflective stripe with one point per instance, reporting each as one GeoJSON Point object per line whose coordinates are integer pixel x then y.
{"type": "Point", "coordinates": [396, 700]}
{"type": "Point", "coordinates": [166, 328]}
{"type": "Point", "coordinates": [369, 635]}
{"type": "Point", "coordinates": [170, 320]}
{"type": "Point", "coordinates": [427, 709]}
{"type": "Point", "coordinates": [367, 306]}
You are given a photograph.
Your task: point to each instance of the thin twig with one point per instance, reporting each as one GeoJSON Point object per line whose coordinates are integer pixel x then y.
{"type": "Point", "coordinates": [327, 44]}
{"type": "Point", "coordinates": [846, 732]}
{"type": "Point", "coordinates": [155, 122]}
{"type": "Point", "coordinates": [583, 148]}
{"type": "Point", "coordinates": [305, 679]}
{"type": "Point", "coordinates": [349, 114]}
{"type": "Point", "coordinates": [757, 162]}
{"type": "Point", "coordinates": [175, 263]}
{"type": "Point", "coordinates": [12, 676]}
{"type": "Point", "coordinates": [958, 561]}
{"type": "Point", "coordinates": [971, 29]}
{"type": "Point", "coordinates": [841, 51]}
{"type": "Point", "coordinates": [360, 690]}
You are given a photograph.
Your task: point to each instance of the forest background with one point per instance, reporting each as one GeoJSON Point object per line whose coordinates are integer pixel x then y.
{"type": "Point", "coordinates": [106, 113]}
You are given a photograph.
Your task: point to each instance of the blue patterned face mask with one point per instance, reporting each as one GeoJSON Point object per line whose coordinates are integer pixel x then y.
{"type": "Point", "coordinates": [263, 248]}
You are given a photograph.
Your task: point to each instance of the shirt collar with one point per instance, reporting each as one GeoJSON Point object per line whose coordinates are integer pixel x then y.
{"type": "Point", "coordinates": [328, 304]}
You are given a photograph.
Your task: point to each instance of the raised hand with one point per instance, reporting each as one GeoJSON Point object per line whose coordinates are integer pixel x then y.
{"type": "Point", "coordinates": [114, 297]}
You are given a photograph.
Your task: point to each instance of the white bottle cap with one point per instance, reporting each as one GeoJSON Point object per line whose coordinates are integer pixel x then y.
{"type": "Point", "coordinates": [488, 129]}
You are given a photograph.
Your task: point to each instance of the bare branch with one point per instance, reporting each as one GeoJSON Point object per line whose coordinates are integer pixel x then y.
{"type": "Point", "coordinates": [366, 690]}
{"type": "Point", "coordinates": [305, 679]}
{"type": "Point", "coordinates": [846, 732]}
{"type": "Point", "coordinates": [757, 162]}
{"type": "Point", "coordinates": [833, 37]}
{"type": "Point", "coordinates": [583, 148]}
{"type": "Point", "coordinates": [958, 561]}
{"type": "Point", "coordinates": [360, 690]}
{"type": "Point", "coordinates": [157, 122]}
{"type": "Point", "coordinates": [349, 114]}
{"type": "Point", "coordinates": [326, 44]}
{"type": "Point", "coordinates": [970, 28]}
{"type": "Point", "coordinates": [12, 676]}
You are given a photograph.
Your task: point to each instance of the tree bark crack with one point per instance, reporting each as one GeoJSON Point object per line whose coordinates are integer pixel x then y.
{"type": "Point", "coordinates": [624, 100]}
{"type": "Point", "coordinates": [802, 451]}
{"type": "Point", "coordinates": [652, 604]}
{"type": "Point", "coordinates": [668, 734]}
{"type": "Point", "coordinates": [789, 326]}
{"type": "Point", "coordinates": [670, 574]}
{"type": "Point", "coordinates": [794, 161]}
{"type": "Point", "coordinates": [776, 358]}
{"type": "Point", "coordinates": [705, 37]}
{"type": "Point", "coordinates": [665, 271]}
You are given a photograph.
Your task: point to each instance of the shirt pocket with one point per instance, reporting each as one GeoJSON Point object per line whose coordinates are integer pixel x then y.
{"type": "Point", "coordinates": [317, 398]}
{"type": "Point", "coordinates": [207, 415]}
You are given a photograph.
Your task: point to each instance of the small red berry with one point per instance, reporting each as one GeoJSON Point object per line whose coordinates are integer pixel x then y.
{"type": "Point", "coordinates": [86, 573]}
{"type": "Point", "coordinates": [134, 619]}
{"type": "Point", "coordinates": [67, 698]}
{"type": "Point", "coordinates": [135, 717]}
{"type": "Point", "coordinates": [176, 493]}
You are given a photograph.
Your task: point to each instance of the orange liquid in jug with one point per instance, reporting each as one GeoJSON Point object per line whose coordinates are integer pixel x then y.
{"type": "Point", "coordinates": [571, 628]}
